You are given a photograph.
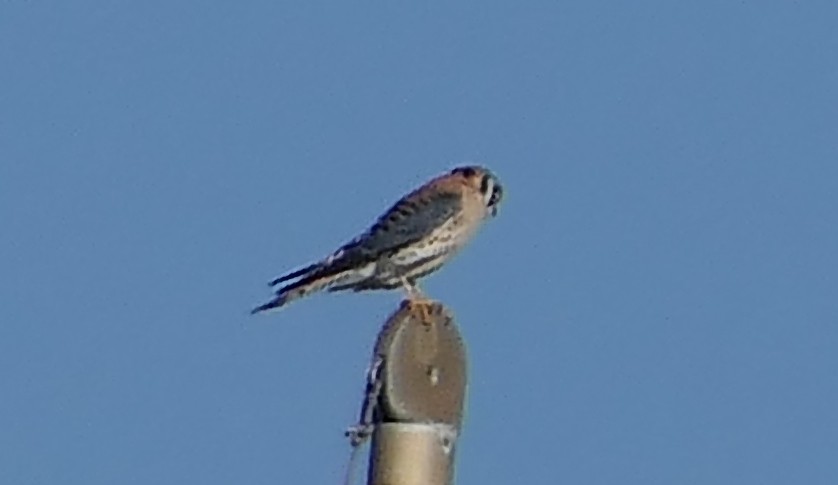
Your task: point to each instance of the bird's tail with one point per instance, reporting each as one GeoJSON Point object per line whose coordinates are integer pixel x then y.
{"type": "Point", "coordinates": [276, 302]}
{"type": "Point", "coordinates": [312, 279]}
{"type": "Point", "coordinates": [295, 274]}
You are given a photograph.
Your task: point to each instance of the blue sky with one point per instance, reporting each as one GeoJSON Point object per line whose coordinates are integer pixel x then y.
{"type": "Point", "coordinates": [655, 303]}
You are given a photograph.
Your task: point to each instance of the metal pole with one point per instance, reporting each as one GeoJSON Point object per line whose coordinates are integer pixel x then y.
{"type": "Point", "coordinates": [415, 396]}
{"type": "Point", "coordinates": [411, 454]}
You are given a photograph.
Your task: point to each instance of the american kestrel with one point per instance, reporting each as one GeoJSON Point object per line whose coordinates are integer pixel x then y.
{"type": "Point", "coordinates": [414, 238]}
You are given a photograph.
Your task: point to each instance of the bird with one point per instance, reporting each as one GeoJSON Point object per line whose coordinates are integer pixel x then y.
{"type": "Point", "coordinates": [412, 239]}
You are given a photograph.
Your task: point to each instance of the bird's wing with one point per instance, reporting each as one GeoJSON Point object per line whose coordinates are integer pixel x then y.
{"type": "Point", "coordinates": [407, 222]}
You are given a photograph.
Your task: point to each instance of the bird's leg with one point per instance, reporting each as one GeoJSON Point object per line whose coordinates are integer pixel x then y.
{"type": "Point", "coordinates": [412, 291]}
{"type": "Point", "coordinates": [417, 298]}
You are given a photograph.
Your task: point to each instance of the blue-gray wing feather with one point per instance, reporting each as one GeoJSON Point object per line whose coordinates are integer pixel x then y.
{"type": "Point", "coordinates": [407, 222]}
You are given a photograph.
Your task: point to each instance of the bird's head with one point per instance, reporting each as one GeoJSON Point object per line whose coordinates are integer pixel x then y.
{"type": "Point", "coordinates": [488, 184]}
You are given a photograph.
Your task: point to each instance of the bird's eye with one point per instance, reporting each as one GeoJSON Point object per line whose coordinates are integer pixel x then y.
{"type": "Point", "coordinates": [497, 194]}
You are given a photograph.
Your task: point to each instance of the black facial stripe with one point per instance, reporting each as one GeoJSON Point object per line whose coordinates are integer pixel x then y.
{"type": "Point", "coordinates": [484, 184]}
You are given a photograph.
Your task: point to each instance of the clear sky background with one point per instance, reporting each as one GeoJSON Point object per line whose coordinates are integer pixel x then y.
{"type": "Point", "coordinates": [655, 303]}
